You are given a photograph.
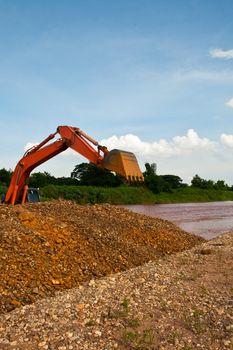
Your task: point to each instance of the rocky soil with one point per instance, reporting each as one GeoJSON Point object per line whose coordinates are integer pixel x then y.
{"type": "Point", "coordinates": [182, 301]}
{"type": "Point", "coordinates": [46, 247]}
{"type": "Point", "coordinates": [169, 301]}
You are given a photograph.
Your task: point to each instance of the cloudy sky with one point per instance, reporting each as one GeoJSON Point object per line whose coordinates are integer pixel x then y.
{"type": "Point", "coordinates": [152, 77]}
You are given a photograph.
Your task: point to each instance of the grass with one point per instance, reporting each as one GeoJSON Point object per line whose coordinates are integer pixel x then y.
{"type": "Point", "coordinates": [134, 323]}
{"type": "Point", "coordinates": [131, 337]}
{"type": "Point", "coordinates": [173, 336]}
{"type": "Point", "coordinates": [132, 195]}
{"type": "Point", "coordinates": [139, 340]}
{"type": "Point", "coordinates": [196, 323]}
{"type": "Point", "coordinates": [191, 194]}
{"type": "Point", "coordinates": [129, 194]}
{"type": "Point", "coordinates": [92, 195]}
{"type": "Point", "coordinates": [122, 312]}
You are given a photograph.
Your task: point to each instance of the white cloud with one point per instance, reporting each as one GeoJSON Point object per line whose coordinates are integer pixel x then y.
{"type": "Point", "coordinates": [227, 140]}
{"type": "Point", "coordinates": [150, 150]}
{"type": "Point", "coordinates": [219, 53]}
{"type": "Point", "coordinates": [230, 103]}
{"type": "Point", "coordinates": [184, 155]}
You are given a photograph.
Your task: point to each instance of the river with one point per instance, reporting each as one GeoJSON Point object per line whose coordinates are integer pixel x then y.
{"type": "Point", "coordinates": [208, 220]}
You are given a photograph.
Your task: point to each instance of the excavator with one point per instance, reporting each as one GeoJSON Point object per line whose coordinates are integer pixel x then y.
{"type": "Point", "coordinates": [121, 162]}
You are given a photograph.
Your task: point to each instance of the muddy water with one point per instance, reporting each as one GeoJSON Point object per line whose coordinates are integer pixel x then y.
{"type": "Point", "coordinates": [204, 219]}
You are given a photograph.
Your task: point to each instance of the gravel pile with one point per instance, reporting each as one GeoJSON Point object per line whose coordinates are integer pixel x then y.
{"type": "Point", "coordinates": [47, 247]}
{"type": "Point", "coordinates": [182, 301]}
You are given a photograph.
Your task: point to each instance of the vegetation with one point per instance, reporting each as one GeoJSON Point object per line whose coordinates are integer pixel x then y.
{"type": "Point", "coordinates": [192, 194]}
{"type": "Point", "coordinates": [44, 179]}
{"type": "Point", "coordinates": [161, 183]}
{"type": "Point", "coordinates": [91, 194]}
{"type": "Point", "coordinates": [88, 174]}
{"type": "Point", "coordinates": [132, 337]}
{"type": "Point", "coordinates": [198, 182]}
{"type": "Point", "coordinates": [5, 177]}
{"type": "Point", "coordinates": [3, 190]}
{"type": "Point", "coordinates": [89, 184]}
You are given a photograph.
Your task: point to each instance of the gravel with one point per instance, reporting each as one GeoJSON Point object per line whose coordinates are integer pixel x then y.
{"type": "Point", "coordinates": [179, 301]}
{"type": "Point", "coordinates": [46, 247]}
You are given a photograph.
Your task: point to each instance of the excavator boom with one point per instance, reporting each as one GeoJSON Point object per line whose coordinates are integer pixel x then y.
{"type": "Point", "coordinates": [121, 162]}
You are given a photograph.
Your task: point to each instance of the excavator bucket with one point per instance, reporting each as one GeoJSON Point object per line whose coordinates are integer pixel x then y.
{"type": "Point", "coordinates": [123, 163]}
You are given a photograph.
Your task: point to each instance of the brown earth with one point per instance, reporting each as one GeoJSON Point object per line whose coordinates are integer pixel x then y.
{"type": "Point", "coordinates": [182, 301]}
{"type": "Point", "coordinates": [46, 247]}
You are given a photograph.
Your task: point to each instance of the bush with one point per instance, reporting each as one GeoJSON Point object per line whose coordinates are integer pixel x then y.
{"type": "Point", "coordinates": [91, 194]}
{"type": "Point", "coordinates": [3, 190]}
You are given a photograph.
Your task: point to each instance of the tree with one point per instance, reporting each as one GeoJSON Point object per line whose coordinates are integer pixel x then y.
{"type": "Point", "coordinates": [150, 169]}
{"type": "Point", "coordinates": [66, 181]}
{"type": "Point", "coordinates": [198, 182]}
{"type": "Point", "coordinates": [90, 175]}
{"type": "Point", "coordinates": [41, 179]}
{"type": "Point", "coordinates": [174, 181]}
{"type": "Point", "coordinates": [157, 184]}
{"type": "Point", "coordinates": [80, 170]}
{"type": "Point", "coordinates": [5, 176]}
{"type": "Point", "coordinates": [221, 185]}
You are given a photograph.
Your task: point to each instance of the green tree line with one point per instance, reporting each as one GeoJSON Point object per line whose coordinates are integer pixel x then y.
{"type": "Point", "coordinates": [87, 174]}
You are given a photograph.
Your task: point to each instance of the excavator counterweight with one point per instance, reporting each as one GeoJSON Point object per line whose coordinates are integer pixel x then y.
{"type": "Point", "coordinates": [121, 162]}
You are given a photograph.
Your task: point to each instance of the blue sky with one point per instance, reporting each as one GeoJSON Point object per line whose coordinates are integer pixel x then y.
{"type": "Point", "coordinates": [151, 69]}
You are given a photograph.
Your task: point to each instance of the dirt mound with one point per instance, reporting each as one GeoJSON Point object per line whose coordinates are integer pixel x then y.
{"type": "Point", "coordinates": [47, 247]}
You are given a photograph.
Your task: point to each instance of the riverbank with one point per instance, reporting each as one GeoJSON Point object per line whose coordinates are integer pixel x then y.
{"type": "Point", "coordinates": [129, 195]}
{"type": "Point", "coordinates": [194, 195]}
{"type": "Point", "coordinates": [182, 302]}
{"type": "Point", "coordinates": [133, 195]}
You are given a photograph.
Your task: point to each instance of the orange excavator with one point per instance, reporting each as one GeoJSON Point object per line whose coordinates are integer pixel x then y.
{"type": "Point", "coordinates": [121, 162]}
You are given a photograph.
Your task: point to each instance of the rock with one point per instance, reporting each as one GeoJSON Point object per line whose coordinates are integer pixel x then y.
{"type": "Point", "coordinates": [98, 333]}
{"type": "Point", "coordinates": [15, 302]}
{"type": "Point", "coordinates": [220, 311]}
{"type": "Point", "coordinates": [226, 342]}
{"type": "Point", "coordinates": [56, 282]}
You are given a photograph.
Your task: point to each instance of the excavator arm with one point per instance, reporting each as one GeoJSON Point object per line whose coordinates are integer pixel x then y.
{"type": "Point", "coordinates": [122, 162]}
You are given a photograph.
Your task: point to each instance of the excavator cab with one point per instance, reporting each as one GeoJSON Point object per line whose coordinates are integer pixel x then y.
{"type": "Point", "coordinates": [123, 163]}
{"type": "Point", "coordinates": [29, 194]}
{"type": "Point", "coordinates": [33, 195]}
